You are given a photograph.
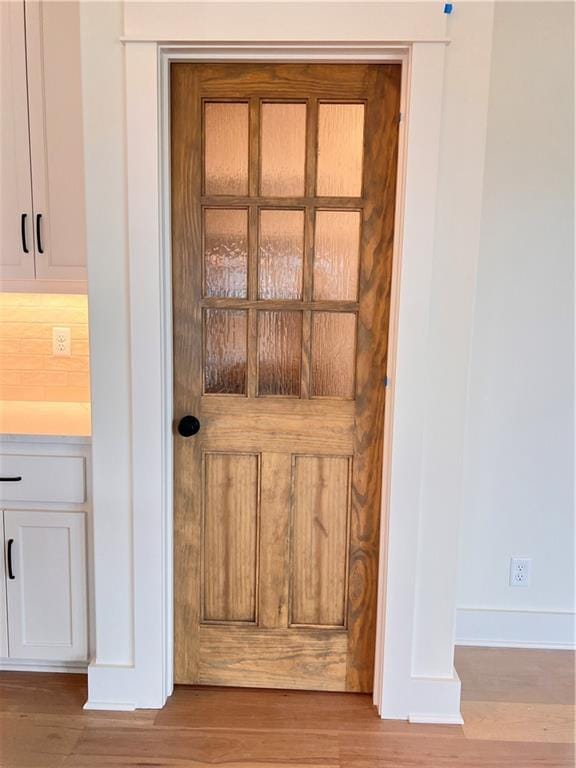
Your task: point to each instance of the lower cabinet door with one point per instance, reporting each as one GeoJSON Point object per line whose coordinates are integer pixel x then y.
{"type": "Point", "coordinates": [46, 585]}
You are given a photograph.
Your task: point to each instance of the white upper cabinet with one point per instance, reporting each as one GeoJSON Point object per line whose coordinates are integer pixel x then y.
{"type": "Point", "coordinates": [16, 241]}
{"type": "Point", "coordinates": [50, 140]}
{"type": "Point", "coordinates": [55, 98]}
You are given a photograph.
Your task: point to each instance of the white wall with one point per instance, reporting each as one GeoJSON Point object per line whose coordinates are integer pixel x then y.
{"type": "Point", "coordinates": [519, 460]}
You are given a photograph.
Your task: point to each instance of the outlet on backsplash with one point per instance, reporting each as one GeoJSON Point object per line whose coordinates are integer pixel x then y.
{"type": "Point", "coordinates": [34, 365]}
{"type": "Point", "coordinates": [61, 342]}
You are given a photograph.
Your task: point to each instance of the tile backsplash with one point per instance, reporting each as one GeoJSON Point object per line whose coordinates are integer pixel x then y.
{"type": "Point", "coordinates": [28, 370]}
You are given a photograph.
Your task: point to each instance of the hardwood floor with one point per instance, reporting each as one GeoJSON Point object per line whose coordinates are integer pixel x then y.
{"type": "Point", "coordinates": [518, 708]}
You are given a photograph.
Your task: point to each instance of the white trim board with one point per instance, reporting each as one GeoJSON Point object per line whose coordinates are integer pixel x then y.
{"type": "Point", "coordinates": [71, 667]}
{"type": "Point", "coordinates": [257, 22]}
{"type": "Point", "coordinates": [109, 706]}
{"type": "Point", "coordinates": [496, 628]}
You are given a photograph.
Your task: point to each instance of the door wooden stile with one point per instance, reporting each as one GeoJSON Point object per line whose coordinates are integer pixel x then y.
{"type": "Point", "coordinates": [283, 198]}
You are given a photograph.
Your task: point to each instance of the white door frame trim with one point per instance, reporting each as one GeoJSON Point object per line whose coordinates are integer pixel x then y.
{"type": "Point", "coordinates": [397, 692]}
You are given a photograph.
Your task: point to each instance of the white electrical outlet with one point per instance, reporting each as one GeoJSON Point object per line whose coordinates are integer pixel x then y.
{"type": "Point", "coordinates": [61, 342]}
{"type": "Point", "coordinates": [520, 568]}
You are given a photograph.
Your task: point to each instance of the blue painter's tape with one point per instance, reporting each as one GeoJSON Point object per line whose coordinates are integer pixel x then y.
{"type": "Point", "coordinates": [448, 8]}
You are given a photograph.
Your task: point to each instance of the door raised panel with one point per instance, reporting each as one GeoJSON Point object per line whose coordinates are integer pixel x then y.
{"type": "Point", "coordinates": [230, 551]}
{"type": "Point", "coordinates": [315, 426]}
{"type": "Point", "coordinates": [314, 659]}
{"type": "Point", "coordinates": [321, 493]}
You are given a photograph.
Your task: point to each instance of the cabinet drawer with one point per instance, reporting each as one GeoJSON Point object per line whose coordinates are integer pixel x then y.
{"type": "Point", "coordinates": [42, 478]}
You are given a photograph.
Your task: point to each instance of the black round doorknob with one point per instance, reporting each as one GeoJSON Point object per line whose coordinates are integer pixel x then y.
{"type": "Point", "coordinates": [188, 426]}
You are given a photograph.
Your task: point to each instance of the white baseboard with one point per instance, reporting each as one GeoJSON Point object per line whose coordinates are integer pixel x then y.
{"type": "Point", "coordinates": [447, 719]}
{"type": "Point", "coordinates": [108, 706]}
{"type": "Point", "coordinates": [16, 665]}
{"type": "Point", "coordinates": [436, 700]}
{"type": "Point", "coordinates": [484, 627]}
{"type": "Point", "coordinates": [425, 700]}
{"type": "Point", "coordinates": [112, 688]}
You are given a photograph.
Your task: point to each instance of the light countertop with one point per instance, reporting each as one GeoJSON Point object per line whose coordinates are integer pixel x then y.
{"type": "Point", "coordinates": [20, 417]}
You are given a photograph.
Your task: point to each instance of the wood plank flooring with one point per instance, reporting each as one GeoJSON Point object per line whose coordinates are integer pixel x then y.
{"type": "Point", "coordinates": [518, 708]}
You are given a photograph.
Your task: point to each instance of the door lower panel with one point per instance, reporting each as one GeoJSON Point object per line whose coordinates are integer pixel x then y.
{"type": "Point", "coordinates": [273, 658]}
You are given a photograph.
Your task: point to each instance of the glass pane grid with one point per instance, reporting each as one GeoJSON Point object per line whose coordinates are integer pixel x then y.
{"type": "Point", "coordinates": [226, 252]}
{"type": "Point", "coordinates": [333, 354]}
{"type": "Point", "coordinates": [340, 150]}
{"type": "Point", "coordinates": [280, 253]}
{"type": "Point", "coordinates": [291, 242]}
{"type": "Point", "coordinates": [336, 258]}
{"type": "Point", "coordinates": [226, 148]}
{"type": "Point", "coordinates": [282, 149]}
{"type": "Point", "coordinates": [225, 349]}
{"type": "Point", "coordinates": [279, 352]}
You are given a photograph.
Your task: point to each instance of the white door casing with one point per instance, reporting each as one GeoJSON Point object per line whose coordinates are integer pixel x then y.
{"type": "Point", "coordinates": [149, 680]}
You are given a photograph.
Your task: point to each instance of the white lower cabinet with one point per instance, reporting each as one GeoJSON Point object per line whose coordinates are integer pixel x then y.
{"type": "Point", "coordinates": [45, 585]}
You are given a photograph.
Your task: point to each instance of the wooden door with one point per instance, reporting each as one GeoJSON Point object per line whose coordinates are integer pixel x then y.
{"type": "Point", "coordinates": [16, 239]}
{"type": "Point", "coordinates": [283, 187]}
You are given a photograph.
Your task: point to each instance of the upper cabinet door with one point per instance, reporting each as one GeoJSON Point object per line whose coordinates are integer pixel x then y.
{"type": "Point", "coordinates": [56, 139]}
{"type": "Point", "coordinates": [16, 241]}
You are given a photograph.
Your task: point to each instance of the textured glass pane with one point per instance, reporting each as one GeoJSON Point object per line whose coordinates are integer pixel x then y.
{"type": "Point", "coordinates": [225, 252]}
{"type": "Point", "coordinates": [226, 149]}
{"type": "Point", "coordinates": [340, 146]}
{"type": "Point", "coordinates": [279, 353]}
{"type": "Point", "coordinates": [225, 356]}
{"type": "Point", "coordinates": [333, 354]}
{"type": "Point", "coordinates": [281, 250]}
{"type": "Point", "coordinates": [336, 251]}
{"type": "Point", "coordinates": [283, 149]}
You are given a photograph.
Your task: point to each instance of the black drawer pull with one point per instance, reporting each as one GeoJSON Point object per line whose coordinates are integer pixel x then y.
{"type": "Point", "coordinates": [10, 479]}
{"type": "Point", "coordinates": [38, 238]}
{"type": "Point", "coordinates": [9, 558]}
{"type": "Point", "coordinates": [23, 232]}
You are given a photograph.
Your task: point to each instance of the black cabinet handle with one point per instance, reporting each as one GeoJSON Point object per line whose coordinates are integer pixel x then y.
{"type": "Point", "coordinates": [23, 232]}
{"type": "Point", "coordinates": [9, 556]}
{"type": "Point", "coordinates": [15, 479]}
{"type": "Point", "coordinates": [38, 235]}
